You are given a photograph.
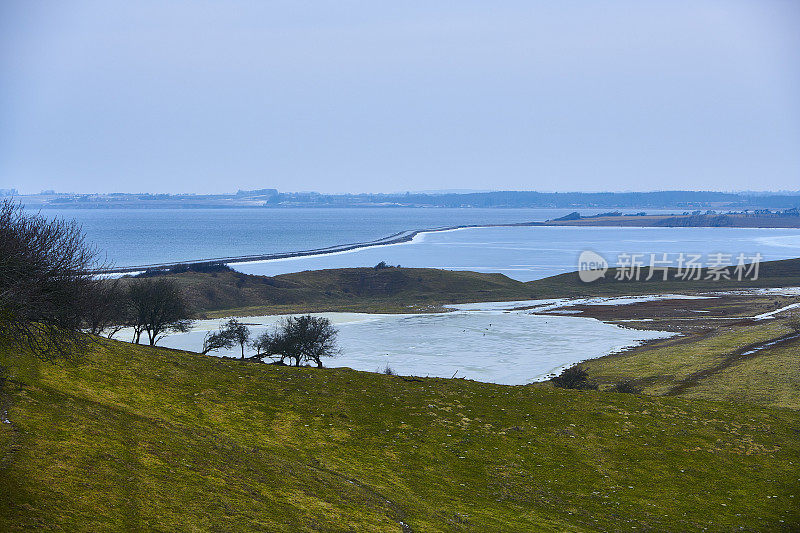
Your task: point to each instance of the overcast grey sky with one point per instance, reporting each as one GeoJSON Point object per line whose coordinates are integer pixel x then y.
{"type": "Point", "coordinates": [393, 96]}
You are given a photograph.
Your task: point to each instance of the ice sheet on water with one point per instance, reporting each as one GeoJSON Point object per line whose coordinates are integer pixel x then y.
{"type": "Point", "coordinates": [626, 300]}
{"type": "Point", "coordinates": [493, 345]}
{"type": "Point", "coordinates": [776, 291]}
{"type": "Point", "coordinates": [555, 303]}
{"type": "Point", "coordinates": [501, 306]}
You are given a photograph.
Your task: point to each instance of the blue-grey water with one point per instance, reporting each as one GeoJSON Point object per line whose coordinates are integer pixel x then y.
{"type": "Point", "coordinates": [144, 236]}
{"type": "Point", "coordinates": [529, 253]}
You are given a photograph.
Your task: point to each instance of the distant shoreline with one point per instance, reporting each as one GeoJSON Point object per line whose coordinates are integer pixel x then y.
{"type": "Point", "coordinates": [786, 219]}
{"type": "Point", "coordinates": [272, 198]}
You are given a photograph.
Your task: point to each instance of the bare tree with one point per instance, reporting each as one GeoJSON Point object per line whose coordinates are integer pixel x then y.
{"type": "Point", "coordinates": [106, 312]}
{"type": "Point", "coordinates": [316, 337]}
{"type": "Point", "coordinates": [157, 307]}
{"type": "Point", "coordinates": [46, 283]}
{"type": "Point", "coordinates": [231, 333]}
{"type": "Point", "coordinates": [303, 338]}
{"type": "Point", "coordinates": [273, 345]}
{"type": "Point", "coordinates": [216, 341]}
{"type": "Point", "coordinates": [238, 333]}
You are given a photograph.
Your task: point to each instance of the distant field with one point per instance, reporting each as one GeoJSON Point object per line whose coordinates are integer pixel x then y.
{"type": "Point", "coordinates": [138, 438]}
{"type": "Point", "coordinates": [727, 220]}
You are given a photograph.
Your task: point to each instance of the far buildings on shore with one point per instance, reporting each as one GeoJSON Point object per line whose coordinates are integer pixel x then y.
{"type": "Point", "coordinates": [681, 200]}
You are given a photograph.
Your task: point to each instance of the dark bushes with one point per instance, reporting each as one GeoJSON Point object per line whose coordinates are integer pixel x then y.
{"type": "Point", "coordinates": [211, 267]}
{"type": "Point", "coordinates": [574, 377]}
{"type": "Point", "coordinates": [628, 387]}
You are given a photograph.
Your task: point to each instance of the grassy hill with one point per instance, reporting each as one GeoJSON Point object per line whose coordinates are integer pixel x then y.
{"type": "Point", "coordinates": [722, 363]}
{"type": "Point", "coordinates": [784, 273]}
{"type": "Point", "coordinates": [355, 289]}
{"type": "Point", "coordinates": [415, 289]}
{"type": "Point", "coordinates": [139, 438]}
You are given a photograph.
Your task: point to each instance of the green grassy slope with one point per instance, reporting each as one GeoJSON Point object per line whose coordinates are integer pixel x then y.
{"type": "Point", "coordinates": [754, 362]}
{"type": "Point", "coordinates": [140, 438]}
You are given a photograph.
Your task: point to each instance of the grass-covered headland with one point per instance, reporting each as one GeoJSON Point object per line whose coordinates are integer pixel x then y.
{"type": "Point", "coordinates": [140, 438]}
{"type": "Point", "coordinates": [225, 292]}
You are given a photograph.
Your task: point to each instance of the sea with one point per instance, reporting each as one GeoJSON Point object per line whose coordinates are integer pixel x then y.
{"type": "Point", "coordinates": [131, 237]}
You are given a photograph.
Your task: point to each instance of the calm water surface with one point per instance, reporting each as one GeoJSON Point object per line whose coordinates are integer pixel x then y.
{"type": "Point", "coordinates": [528, 253]}
{"type": "Point", "coordinates": [146, 236]}
{"type": "Point", "coordinates": [143, 236]}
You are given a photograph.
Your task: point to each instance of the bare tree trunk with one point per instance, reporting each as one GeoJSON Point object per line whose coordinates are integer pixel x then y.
{"type": "Point", "coordinates": [113, 331]}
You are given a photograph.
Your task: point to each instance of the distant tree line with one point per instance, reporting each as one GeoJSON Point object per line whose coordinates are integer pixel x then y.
{"type": "Point", "coordinates": [654, 199]}
{"type": "Point", "coordinates": [565, 200]}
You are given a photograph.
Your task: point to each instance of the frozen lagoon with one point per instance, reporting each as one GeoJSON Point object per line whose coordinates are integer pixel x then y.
{"type": "Point", "coordinates": [485, 342]}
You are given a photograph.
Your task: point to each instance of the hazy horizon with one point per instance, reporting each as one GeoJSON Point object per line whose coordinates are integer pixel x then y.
{"type": "Point", "coordinates": [429, 192]}
{"type": "Point", "coordinates": [185, 97]}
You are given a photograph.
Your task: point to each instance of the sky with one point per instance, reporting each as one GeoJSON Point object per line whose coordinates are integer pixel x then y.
{"type": "Point", "coordinates": [379, 96]}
